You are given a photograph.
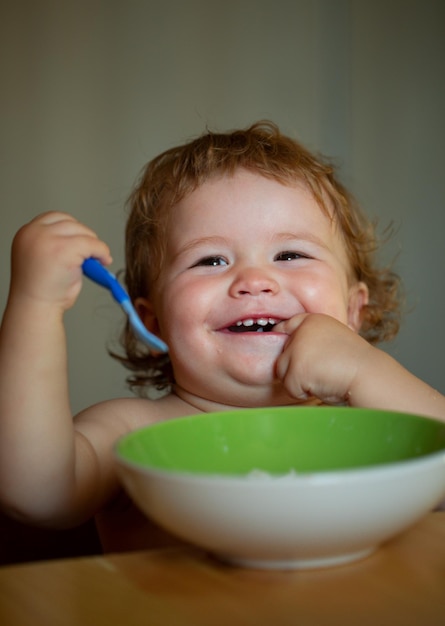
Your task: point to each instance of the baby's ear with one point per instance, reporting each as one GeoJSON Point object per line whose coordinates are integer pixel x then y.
{"type": "Point", "coordinates": [146, 312]}
{"type": "Point", "coordinates": [358, 298]}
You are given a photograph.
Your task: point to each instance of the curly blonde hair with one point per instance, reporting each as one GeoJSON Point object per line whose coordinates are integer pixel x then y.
{"type": "Point", "coordinates": [263, 149]}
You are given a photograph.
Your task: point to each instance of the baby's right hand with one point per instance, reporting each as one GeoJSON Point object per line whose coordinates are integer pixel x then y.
{"type": "Point", "coordinates": [47, 257]}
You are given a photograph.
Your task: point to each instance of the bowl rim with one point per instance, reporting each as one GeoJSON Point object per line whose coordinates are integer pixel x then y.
{"type": "Point", "coordinates": [322, 477]}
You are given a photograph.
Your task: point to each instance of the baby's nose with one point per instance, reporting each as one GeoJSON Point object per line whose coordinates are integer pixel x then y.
{"type": "Point", "coordinates": [253, 281]}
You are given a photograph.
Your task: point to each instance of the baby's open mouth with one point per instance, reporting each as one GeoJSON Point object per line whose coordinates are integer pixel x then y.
{"type": "Point", "coordinates": [250, 325]}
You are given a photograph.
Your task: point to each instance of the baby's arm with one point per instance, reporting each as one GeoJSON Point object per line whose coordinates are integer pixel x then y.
{"type": "Point", "coordinates": [326, 359]}
{"type": "Point", "coordinates": [43, 460]}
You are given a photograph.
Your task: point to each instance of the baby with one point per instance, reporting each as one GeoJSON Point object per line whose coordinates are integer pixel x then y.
{"type": "Point", "coordinates": [251, 261]}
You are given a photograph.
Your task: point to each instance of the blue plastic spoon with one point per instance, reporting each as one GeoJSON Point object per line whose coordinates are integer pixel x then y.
{"type": "Point", "coordinates": [100, 275]}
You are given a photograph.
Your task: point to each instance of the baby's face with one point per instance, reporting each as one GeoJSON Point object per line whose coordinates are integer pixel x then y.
{"type": "Point", "coordinates": [243, 253]}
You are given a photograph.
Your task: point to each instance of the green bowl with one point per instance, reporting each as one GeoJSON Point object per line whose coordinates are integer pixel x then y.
{"type": "Point", "coordinates": [288, 486]}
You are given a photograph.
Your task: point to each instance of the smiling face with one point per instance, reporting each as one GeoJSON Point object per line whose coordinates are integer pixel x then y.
{"type": "Point", "coordinates": [243, 253]}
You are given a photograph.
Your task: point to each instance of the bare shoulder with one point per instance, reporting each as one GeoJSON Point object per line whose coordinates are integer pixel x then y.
{"type": "Point", "coordinates": [125, 414]}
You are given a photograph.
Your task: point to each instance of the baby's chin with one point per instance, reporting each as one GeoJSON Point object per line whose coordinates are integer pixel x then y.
{"type": "Point", "coordinates": [241, 382]}
{"type": "Point", "coordinates": [253, 372]}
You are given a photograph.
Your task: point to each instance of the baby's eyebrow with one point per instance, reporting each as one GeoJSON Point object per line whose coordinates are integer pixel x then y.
{"type": "Point", "coordinates": [213, 241]}
{"type": "Point", "coordinates": [302, 236]}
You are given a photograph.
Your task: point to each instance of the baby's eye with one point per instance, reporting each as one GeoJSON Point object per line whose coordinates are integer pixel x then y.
{"type": "Point", "coordinates": [287, 255]}
{"type": "Point", "coordinates": [211, 261]}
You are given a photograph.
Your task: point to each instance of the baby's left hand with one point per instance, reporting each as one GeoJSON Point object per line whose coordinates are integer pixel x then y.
{"type": "Point", "coordinates": [322, 358]}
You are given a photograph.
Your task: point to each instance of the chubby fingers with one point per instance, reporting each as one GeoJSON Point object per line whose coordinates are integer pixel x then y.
{"type": "Point", "coordinates": [283, 363]}
{"type": "Point", "coordinates": [55, 228]}
{"type": "Point", "coordinates": [298, 365]}
{"type": "Point", "coordinates": [289, 326]}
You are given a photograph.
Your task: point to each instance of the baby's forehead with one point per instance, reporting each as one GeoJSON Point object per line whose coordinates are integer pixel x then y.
{"type": "Point", "coordinates": [320, 198]}
{"type": "Point", "coordinates": [249, 192]}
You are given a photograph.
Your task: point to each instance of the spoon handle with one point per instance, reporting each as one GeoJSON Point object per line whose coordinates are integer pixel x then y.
{"type": "Point", "coordinates": [96, 272]}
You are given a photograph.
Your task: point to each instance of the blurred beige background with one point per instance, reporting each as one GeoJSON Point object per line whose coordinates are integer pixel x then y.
{"type": "Point", "coordinates": [92, 89]}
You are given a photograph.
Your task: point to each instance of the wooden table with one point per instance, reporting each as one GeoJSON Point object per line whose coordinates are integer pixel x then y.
{"type": "Point", "coordinates": [402, 583]}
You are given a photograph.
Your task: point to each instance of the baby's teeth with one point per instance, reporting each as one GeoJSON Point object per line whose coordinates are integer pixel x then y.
{"type": "Point", "coordinates": [262, 321]}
